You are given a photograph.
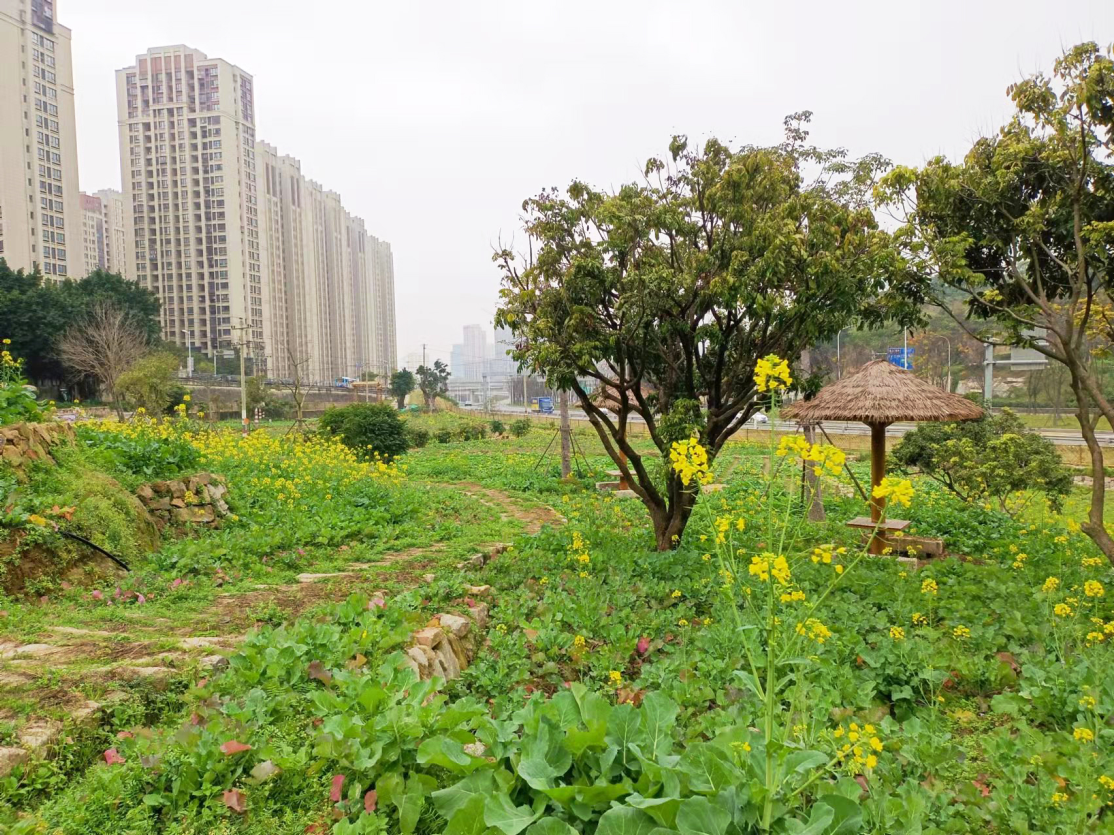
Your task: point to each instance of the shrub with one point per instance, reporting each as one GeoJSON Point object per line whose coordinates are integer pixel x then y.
{"type": "Point", "coordinates": [498, 427]}
{"type": "Point", "coordinates": [520, 427]}
{"type": "Point", "coordinates": [145, 449]}
{"type": "Point", "coordinates": [443, 436]}
{"type": "Point", "coordinates": [367, 429]}
{"type": "Point", "coordinates": [994, 457]}
{"type": "Point", "coordinates": [17, 399]}
{"type": "Point", "coordinates": [473, 432]}
{"type": "Point", "coordinates": [417, 436]}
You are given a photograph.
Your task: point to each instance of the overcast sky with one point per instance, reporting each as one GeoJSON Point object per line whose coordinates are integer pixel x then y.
{"type": "Point", "coordinates": [434, 120]}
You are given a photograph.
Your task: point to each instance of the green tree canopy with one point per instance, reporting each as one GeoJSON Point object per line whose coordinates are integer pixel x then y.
{"type": "Point", "coordinates": [1023, 228]}
{"type": "Point", "coordinates": [665, 293]}
{"type": "Point", "coordinates": [402, 383]}
{"type": "Point", "coordinates": [433, 382]}
{"type": "Point", "coordinates": [34, 313]}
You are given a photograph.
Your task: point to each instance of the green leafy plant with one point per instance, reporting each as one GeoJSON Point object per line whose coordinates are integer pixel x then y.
{"type": "Point", "coordinates": [370, 429]}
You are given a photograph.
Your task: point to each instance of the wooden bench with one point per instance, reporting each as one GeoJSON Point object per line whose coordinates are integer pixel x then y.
{"type": "Point", "coordinates": [901, 542]}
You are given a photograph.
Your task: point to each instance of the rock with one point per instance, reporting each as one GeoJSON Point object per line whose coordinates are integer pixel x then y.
{"type": "Point", "coordinates": [473, 562]}
{"type": "Point", "coordinates": [478, 590]}
{"type": "Point", "coordinates": [479, 614]}
{"type": "Point", "coordinates": [456, 625]}
{"type": "Point", "coordinates": [213, 662]}
{"type": "Point", "coordinates": [11, 758]}
{"type": "Point", "coordinates": [448, 661]}
{"type": "Point", "coordinates": [421, 663]}
{"type": "Point", "coordinates": [145, 494]}
{"type": "Point", "coordinates": [429, 578]}
{"type": "Point", "coordinates": [177, 489]}
{"type": "Point", "coordinates": [30, 651]}
{"type": "Point", "coordinates": [162, 504]}
{"type": "Point", "coordinates": [86, 715]}
{"type": "Point", "coordinates": [459, 652]}
{"type": "Point", "coordinates": [37, 734]}
{"type": "Point", "coordinates": [314, 578]}
{"type": "Point", "coordinates": [431, 636]}
{"type": "Point", "coordinates": [177, 502]}
{"type": "Point", "coordinates": [198, 514]}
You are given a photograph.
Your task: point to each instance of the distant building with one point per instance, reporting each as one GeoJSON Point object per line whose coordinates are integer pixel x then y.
{"type": "Point", "coordinates": [92, 235]}
{"type": "Point", "coordinates": [475, 352]}
{"type": "Point", "coordinates": [238, 244]}
{"type": "Point", "coordinates": [40, 210]}
{"type": "Point", "coordinates": [115, 234]}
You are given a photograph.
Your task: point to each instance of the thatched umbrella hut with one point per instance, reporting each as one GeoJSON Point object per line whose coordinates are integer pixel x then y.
{"type": "Point", "coordinates": [879, 394]}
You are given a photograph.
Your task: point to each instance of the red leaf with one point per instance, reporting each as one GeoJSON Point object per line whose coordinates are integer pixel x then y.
{"type": "Point", "coordinates": [233, 747]}
{"type": "Point", "coordinates": [124, 735]}
{"type": "Point", "coordinates": [98, 594]}
{"type": "Point", "coordinates": [370, 799]}
{"type": "Point", "coordinates": [377, 602]}
{"type": "Point", "coordinates": [234, 799]}
{"type": "Point", "coordinates": [317, 670]}
{"type": "Point", "coordinates": [334, 792]}
{"type": "Point", "coordinates": [139, 598]}
{"type": "Point", "coordinates": [643, 645]}
{"type": "Point", "coordinates": [112, 757]}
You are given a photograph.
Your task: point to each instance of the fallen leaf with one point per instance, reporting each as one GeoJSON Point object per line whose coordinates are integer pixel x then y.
{"type": "Point", "coordinates": [124, 735]}
{"type": "Point", "coordinates": [643, 645]}
{"type": "Point", "coordinates": [234, 799]}
{"type": "Point", "coordinates": [264, 771]}
{"type": "Point", "coordinates": [334, 792]}
{"type": "Point", "coordinates": [317, 670]}
{"type": "Point", "coordinates": [112, 757]}
{"type": "Point", "coordinates": [233, 747]}
{"type": "Point", "coordinates": [370, 799]}
{"type": "Point", "coordinates": [357, 662]}
{"type": "Point", "coordinates": [1007, 658]}
{"type": "Point", "coordinates": [377, 602]}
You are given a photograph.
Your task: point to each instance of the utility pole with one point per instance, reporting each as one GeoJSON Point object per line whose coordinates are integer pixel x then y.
{"type": "Point", "coordinates": [988, 376]}
{"type": "Point", "coordinates": [566, 435]}
{"type": "Point", "coordinates": [189, 352]}
{"type": "Point", "coordinates": [423, 353]}
{"type": "Point", "coordinates": [243, 381]}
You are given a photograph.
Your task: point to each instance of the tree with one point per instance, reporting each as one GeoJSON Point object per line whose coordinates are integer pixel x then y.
{"type": "Point", "coordinates": [104, 345]}
{"type": "Point", "coordinates": [668, 292]}
{"type": "Point", "coordinates": [433, 382]}
{"type": "Point", "coordinates": [149, 382]}
{"type": "Point", "coordinates": [34, 314]}
{"type": "Point", "coordinates": [402, 383]}
{"type": "Point", "coordinates": [296, 383]}
{"type": "Point", "coordinates": [1024, 229]}
{"type": "Point", "coordinates": [992, 458]}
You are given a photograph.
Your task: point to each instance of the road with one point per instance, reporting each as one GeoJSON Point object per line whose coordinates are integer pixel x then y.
{"type": "Point", "coordinates": [1060, 437]}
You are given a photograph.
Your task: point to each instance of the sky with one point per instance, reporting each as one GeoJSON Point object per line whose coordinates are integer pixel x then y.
{"type": "Point", "coordinates": [435, 119]}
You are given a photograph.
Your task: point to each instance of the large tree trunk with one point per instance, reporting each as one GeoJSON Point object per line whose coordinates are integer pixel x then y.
{"type": "Point", "coordinates": [669, 522]}
{"type": "Point", "coordinates": [812, 481]}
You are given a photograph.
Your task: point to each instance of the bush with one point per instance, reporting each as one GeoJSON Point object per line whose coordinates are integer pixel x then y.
{"type": "Point", "coordinates": [521, 427]}
{"type": "Point", "coordinates": [443, 436]}
{"type": "Point", "coordinates": [143, 450]}
{"type": "Point", "coordinates": [995, 457]}
{"type": "Point", "coordinates": [473, 432]}
{"type": "Point", "coordinates": [498, 427]}
{"type": "Point", "coordinates": [417, 436]}
{"type": "Point", "coordinates": [368, 429]}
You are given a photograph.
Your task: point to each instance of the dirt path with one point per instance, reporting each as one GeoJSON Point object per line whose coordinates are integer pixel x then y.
{"type": "Point", "coordinates": [68, 676]}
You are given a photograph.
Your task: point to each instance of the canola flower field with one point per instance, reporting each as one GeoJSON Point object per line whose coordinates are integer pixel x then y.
{"type": "Point", "coordinates": [765, 676]}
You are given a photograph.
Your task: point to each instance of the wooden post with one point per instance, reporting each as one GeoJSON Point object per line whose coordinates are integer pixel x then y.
{"type": "Point", "coordinates": [877, 473]}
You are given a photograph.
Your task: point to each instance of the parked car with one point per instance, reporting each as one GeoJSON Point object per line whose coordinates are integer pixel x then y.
{"type": "Point", "coordinates": [759, 418]}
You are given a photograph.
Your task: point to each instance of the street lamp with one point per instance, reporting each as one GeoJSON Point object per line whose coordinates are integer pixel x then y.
{"type": "Point", "coordinates": [189, 352]}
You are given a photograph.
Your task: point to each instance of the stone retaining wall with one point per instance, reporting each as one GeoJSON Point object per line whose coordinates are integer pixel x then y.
{"type": "Point", "coordinates": [22, 443]}
{"type": "Point", "coordinates": [194, 500]}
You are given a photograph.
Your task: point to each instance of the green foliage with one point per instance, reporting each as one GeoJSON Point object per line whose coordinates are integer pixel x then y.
{"type": "Point", "coordinates": [995, 457]}
{"type": "Point", "coordinates": [150, 383]}
{"type": "Point", "coordinates": [631, 288]}
{"type": "Point", "coordinates": [17, 401]}
{"type": "Point", "coordinates": [34, 312]}
{"type": "Point", "coordinates": [369, 429]}
{"type": "Point", "coordinates": [402, 383]}
{"type": "Point", "coordinates": [417, 436]}
{"type": "Point", "coordinates": [521, 427]}
{"type": "Point", "coordinates": [433, 382]}
{"type": "Point", "coordinates": [498, 427]}
{"type": "Point", "coordinates": [149, 455]}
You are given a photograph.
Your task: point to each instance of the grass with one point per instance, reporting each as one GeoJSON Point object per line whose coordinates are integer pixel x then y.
{"type": "Point", "coordinates": [977, 731]}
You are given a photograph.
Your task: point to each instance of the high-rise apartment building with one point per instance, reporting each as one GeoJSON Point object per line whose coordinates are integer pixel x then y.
{"type": "Point", "coordinates": [92, 235]}
{"type": "Point", "coordinates": [237, 243]}
{"type": "Point", "coordinates": [40, 213]}
{"type": "Point", "coordinates": [115, 232]}
{"type": "Point", "coordinates": [329, 284]}
{"type": "Point", "coordinates": [187, 158]}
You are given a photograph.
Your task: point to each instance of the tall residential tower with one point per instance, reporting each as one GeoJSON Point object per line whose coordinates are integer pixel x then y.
{"type": "Point", "coordinates": [40, 212]}
{"type": "Point", "coordinates": [187, 158]}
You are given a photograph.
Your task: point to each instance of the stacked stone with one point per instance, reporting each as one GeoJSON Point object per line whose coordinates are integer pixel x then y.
{"type": "Point", "coordinates": [196, 500]}
{"type": "Point", "coordinates": [447, 645]}
{"type": "Point", "coordinates": [22, 443]}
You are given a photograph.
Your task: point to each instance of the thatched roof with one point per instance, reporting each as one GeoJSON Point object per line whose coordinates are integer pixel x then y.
{"type": "Point", "coordinates": [880, 392]}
